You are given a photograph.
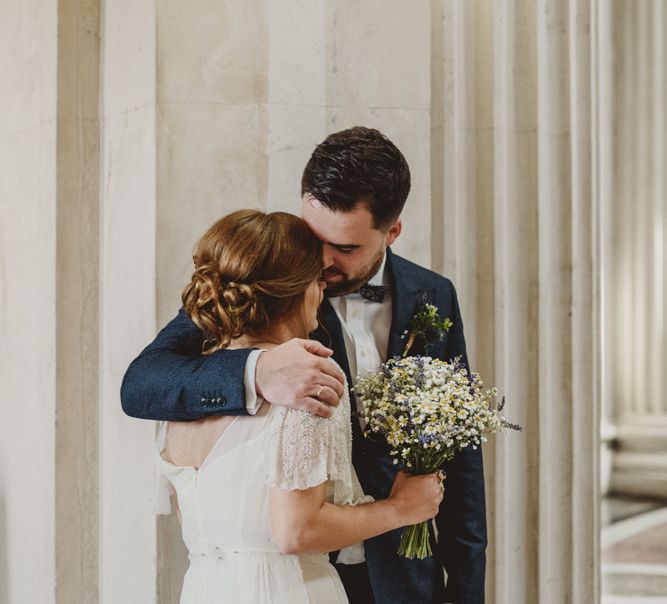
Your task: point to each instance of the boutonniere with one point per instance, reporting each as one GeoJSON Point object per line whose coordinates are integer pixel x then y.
{"type": "Point", "coordinates": [426, 326]}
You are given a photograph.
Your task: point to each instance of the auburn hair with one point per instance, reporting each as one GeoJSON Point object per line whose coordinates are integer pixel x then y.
{"type": "Point", "coordinates": [251, 269]}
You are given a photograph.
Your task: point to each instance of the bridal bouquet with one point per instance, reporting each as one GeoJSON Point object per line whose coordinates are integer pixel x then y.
{"type": "Point", "coordinates": [428, 410]}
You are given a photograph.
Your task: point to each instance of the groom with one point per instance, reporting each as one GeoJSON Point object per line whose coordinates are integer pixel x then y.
{"type": "Point", "coordinates": [354, 188]}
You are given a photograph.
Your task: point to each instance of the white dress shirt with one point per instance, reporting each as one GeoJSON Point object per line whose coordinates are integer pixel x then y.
{"type": "Point", "coordinates": [365, 326]}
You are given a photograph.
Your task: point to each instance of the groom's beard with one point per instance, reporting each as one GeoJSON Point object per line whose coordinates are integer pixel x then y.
{"type": "Point", "coordinates": [352, 283]}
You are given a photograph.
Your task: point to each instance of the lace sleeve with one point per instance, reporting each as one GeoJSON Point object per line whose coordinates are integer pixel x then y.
{"type": "Point", "coordinates": [308, 450]}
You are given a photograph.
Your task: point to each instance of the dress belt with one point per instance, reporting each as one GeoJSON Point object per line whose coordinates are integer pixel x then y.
{"type": "Point", "coordinates": [207, 552]}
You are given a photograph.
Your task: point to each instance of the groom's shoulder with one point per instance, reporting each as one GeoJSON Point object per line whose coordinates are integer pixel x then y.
{"type": "Point", "coordinates": [421, 275]}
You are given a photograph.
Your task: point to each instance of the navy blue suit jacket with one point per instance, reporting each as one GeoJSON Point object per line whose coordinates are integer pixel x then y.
{"type": "Point", "coordinates": [171, 380]}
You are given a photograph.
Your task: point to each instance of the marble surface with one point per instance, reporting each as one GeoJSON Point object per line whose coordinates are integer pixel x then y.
{"type": "Point", "coordinates": [633, 550]}
{"type": "Point", "coordinates": [616, 508]}
{"type": "Point", "coordinates": [378, 54]}
{"type": "Point", "coordinates": [212, 51]}
{"type": "Point", "coordinates": [646, 547]}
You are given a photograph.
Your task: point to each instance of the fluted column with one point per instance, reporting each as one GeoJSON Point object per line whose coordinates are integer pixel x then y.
{"type": "Point", "coordinates": [635, 277]}
{"type": "Point", "coordinates": [518, 191]}
{"type": "Point", "coordinates": [515, 272]}
{"type": "Point", "coordinates": [605, 137]}
{"type": "Point", "coordinates": [637, 292]}
{"type": "Point", "coordinates": [49, 240]}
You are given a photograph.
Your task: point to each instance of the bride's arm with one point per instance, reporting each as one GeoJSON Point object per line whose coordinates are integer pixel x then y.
{"type": "Point", "coordinates": [303, 522]}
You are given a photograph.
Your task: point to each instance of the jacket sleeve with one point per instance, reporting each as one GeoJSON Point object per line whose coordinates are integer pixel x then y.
{"type": "Point", "coordinates": [461, 521]}
{"type": "Point", "coordinates": [172, 381]}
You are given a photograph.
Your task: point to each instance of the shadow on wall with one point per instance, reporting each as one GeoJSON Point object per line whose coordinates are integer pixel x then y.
{"type": "Point", "coordinates": [172, 560]}
{"type": "Point", "coordinates": [4, 573]}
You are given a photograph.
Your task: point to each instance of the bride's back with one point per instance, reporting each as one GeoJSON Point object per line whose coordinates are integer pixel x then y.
{"type": "Point", "coordinates": [190, 443]}
{"type": "Point", "coordinates": [217, 468]}
{"type": "Point", "coordinates": [201, 441]}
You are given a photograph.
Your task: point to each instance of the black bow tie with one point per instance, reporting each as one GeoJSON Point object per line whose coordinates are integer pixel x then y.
{"type": "Point", "coordinates": [373, 293]}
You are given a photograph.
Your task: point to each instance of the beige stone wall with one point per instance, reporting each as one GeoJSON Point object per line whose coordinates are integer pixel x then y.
{"type": "Point", "coordinates": [240, 111]}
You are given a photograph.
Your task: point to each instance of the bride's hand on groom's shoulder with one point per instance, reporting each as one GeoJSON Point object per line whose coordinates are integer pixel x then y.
{"type": "Point", "coordinates": [298, 374]}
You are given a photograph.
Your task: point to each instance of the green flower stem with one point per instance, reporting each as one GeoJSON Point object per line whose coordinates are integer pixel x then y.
{"type": "Point", "coordinates": [415, 542]}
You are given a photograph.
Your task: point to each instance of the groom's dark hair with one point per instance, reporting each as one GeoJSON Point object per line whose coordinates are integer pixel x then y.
{"type": "Point", "coordinates": [359, 165]}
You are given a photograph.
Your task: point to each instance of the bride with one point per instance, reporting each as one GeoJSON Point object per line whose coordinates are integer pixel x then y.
{"type": "Point", "coordinates": [262, 498]}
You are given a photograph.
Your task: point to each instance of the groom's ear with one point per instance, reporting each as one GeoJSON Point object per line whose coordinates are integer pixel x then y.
{"type": "Point", "coordinates": [393, 232]}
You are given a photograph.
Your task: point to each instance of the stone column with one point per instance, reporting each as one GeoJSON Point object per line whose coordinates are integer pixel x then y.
{"type": "Point", "coordinates": [605, 143]}
{"type": "Point", "coordinates": [517, 174]}
{"type": "Point", "coordinates": [636, 275]}
{"type": "Point", "coordinates": [49, 284]}
{"type": "Point", "coordinates": [127, 525]}
{"type": "Point", "coordinates": [28, 244]}
{"type": "Point", "coordinates": [77, 301]}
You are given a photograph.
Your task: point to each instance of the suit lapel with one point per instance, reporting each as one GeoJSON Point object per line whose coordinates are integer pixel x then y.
{"type": "Point", "coordinates": [330, 333]}
{"type": "Point", "coordinates": [406, 296]}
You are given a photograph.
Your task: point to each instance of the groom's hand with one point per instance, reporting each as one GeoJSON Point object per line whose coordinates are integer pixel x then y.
{"type": "Point", "coordinates": [298, 374]}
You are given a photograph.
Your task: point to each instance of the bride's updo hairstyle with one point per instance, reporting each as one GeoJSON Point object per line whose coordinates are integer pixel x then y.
{"type": "Point", "coordinates": [251, 269]}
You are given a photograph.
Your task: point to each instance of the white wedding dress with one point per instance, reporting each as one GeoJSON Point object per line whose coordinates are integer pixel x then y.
{"type": "Point", "coordinates": [225, 506]}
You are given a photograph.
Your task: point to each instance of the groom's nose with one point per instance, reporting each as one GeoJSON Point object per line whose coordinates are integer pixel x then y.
{"type": "Point", "coordinates": [327, 258]}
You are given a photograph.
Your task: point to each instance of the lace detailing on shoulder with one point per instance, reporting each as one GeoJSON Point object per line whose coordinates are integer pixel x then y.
{"type": "Point", "coordinates": [308, 450]}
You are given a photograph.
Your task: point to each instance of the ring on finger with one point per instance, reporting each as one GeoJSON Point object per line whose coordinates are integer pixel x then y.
{"type": "Point", "coordinates": [319, 391]}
